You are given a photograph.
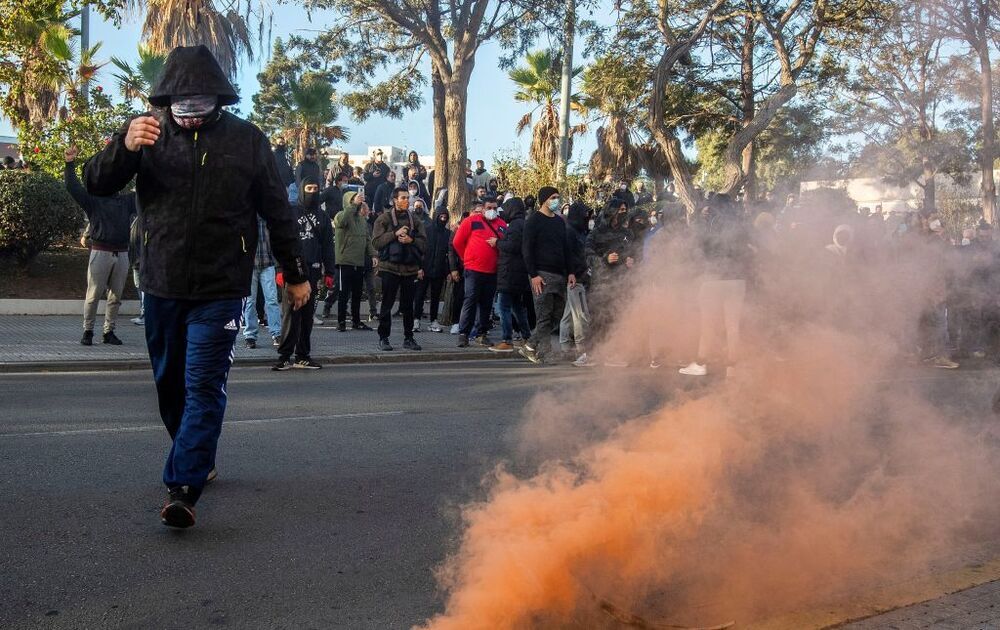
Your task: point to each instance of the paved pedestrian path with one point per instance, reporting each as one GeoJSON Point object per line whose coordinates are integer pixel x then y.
{"type": "Point", "coordinates": [55, 340]}
{"type": "Point", "coordinates": [976, 608]}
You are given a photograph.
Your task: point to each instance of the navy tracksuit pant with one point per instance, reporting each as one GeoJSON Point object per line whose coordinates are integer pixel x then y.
{"type": "Point", "coordinates": [191, 348]}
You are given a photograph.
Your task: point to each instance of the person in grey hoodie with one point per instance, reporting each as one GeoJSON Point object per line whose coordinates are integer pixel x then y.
{"type": "Point", "coordinates": [107, 270]}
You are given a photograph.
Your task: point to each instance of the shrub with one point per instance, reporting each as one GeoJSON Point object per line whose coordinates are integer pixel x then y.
{"type": "Point", "coordinates": [35, 212]}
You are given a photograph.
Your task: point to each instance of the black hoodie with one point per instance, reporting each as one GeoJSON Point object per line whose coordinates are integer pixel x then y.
{"type": "Point", "coordinates": [199, 192]}
{"type": "Point", "coordinates": [438, 242]}
{"type": "Point", "coordinates": [315, 229]}
{"type": "Point", "coordinates": [512, 274]}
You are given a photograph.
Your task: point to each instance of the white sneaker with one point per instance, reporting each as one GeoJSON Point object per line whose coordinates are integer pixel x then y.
{"type": "Point", "coordinates": [317, 321]}
{"type": "Point", "coordinates": [139, 321]}
{"type": "Point", "coordinates": [584, 361]}
{"type": "Point", "coordinates": [655, 364]}
{"type": "Point", "coordinates": [694, 369]}
{"type": "Point", "coordinates": [454, 329]}
{"type": "Point", "coordinates": [416, 325]}
{"type": "Point", "coordinates": [435, 327]}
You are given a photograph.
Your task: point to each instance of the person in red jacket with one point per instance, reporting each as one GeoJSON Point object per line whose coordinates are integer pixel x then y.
{"type": "Point", "coordinates": [476, 244]}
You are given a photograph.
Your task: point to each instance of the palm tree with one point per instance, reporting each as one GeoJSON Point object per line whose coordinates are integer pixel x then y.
{"type": "Point", "coordinates": [136, 83]}
{"type": "Point", "coordinates": [312, 113]}
{"type": "Point", "coordinates": [45, 69]}
{"type": "Point", "coordinates": [539, 82]}
{"type": "Point", "coordinates": [224, 30]}
{"type": "Point", "coordinates": [612, 87]}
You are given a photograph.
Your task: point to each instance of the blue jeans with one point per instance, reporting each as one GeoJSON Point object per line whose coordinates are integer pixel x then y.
{"type": "Point", "coordinates": [512, 308]}
{"type": "Point", "coordinates": [478, 303]}
{"type": "Point", "coordinates": [191, 349]}
{"type": "Point", "coordinates": [266, 279]}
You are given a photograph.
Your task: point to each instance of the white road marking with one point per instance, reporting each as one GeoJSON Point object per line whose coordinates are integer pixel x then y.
{"type": "Point", "coordinates": [228, 423]}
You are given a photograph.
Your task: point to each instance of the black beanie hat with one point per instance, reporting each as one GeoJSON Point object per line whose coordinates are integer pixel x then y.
{"type": "Point", "coordinates": [545, 192]}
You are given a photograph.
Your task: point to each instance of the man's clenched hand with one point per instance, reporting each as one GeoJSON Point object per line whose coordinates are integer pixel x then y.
{"type": "Point", "coordinates": [142, 132]}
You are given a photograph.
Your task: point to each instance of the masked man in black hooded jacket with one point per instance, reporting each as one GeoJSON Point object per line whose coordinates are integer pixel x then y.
{"type": "Point", "coordinates": [202, 178]}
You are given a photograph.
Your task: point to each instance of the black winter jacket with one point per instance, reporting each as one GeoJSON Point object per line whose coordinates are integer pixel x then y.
{"type": "Point", "coordinates": [512, 273]}
{"type": "Point", "coordinates": [199, 192]}
{"type": "Point", "coordinates": [110, 217]}
{"type": "Point", "coordinates": [284, 168]}
{"type": "Point", "coordinates": [438, 244]}
{"type": "Point", "coordinates": [609, 235]}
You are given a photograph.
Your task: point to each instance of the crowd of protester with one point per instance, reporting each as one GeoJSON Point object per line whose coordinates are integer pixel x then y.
{"type": "Point", "coordinates": [511, 271]}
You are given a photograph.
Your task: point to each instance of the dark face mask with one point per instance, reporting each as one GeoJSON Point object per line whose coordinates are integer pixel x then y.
{"type": "Point", "coordinates": [310, 200]}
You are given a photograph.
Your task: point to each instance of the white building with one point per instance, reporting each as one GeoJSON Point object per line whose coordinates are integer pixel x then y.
{"type": "Point", "coordinates": [872, 191]}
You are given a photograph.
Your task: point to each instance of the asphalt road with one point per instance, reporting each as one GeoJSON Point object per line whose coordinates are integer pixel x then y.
{"type": "Point", "coordinates": [338, 494]}
{"type": "Point", "coordinates": [339, 491]}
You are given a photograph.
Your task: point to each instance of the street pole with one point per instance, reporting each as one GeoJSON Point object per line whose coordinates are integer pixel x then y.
{"type": "Point", "coordinates": [567, 87]}
{"type": "Point", "coordinates": [84, 46]}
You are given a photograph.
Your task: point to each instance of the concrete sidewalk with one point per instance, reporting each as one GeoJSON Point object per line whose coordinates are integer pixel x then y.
{"type": "Point", "coordinates": [53, 342]}
{"type": "Point", "coordinates": [973, 608]}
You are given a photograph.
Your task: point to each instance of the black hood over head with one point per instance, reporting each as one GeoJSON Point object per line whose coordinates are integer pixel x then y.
{"type": "Point", "coordinates": [513, 208]}
{"type": "Point", "coordinates": [189, 71]}
{"type": "Point", "coordinates": [577, 218]}
{"type": "Point", "coordinates": [309, 200]}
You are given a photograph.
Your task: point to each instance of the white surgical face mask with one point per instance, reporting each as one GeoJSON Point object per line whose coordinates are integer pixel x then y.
{"type": "Point", "coordinates": [653, 220]}
{"type": "Point", "coordinates": [590, 224]}
{"type": "Point", "coordinates": [966, 242]}
{"type": "Point", "coordinates": [935, 225]}
{"type": "Point", "coordinates": [491, 214]}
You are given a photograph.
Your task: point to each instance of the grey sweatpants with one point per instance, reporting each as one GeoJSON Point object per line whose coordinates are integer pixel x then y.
{"type": "Point", "coordinates": [575, 320]}
{"type": "Point", "coordinates": [106, 274]}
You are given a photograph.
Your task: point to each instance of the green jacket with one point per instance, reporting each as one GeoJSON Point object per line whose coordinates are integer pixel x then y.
{"type": "Point", "coordinates": [353, 245]}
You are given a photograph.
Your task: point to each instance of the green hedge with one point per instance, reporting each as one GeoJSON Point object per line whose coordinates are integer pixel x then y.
{"type": "Point", "coordinates": [35, 212]}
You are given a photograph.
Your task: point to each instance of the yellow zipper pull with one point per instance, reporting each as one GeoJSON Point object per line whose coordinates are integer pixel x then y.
{"type": "Point", "coordinates": [146, 239]}
{"type": "Point", "coordinates": [244, 241]}
{"type": "Point", "coordinates": [203, 157]}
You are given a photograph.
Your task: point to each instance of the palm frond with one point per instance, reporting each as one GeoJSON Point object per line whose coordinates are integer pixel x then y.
{"type": "Point", "coordinates": [523, 124]}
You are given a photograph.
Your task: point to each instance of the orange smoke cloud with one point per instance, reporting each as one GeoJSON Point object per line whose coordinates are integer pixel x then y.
{"type": "Point", "coordinates": [813, 474]}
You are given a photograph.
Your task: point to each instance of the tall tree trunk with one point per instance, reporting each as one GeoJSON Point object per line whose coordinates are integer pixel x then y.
{"type": "Point", "coordinates": [441, 163]}
{"type": "Point", "coordinates": [733, 155]}
{"type": "Point", "coordinates": [456, 90]}
{"type": "Point", "coordinates": [748, 104]}
{"type": "Point", "coordinates": [930, 186]}
{"type": "Point", "coordinates": [988, 187]}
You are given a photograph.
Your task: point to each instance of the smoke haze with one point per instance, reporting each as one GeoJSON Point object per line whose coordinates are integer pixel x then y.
{"type": "Point", "coordinates": [819, 470]}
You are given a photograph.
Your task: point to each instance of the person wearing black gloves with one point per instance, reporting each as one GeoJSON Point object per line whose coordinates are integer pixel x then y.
{"type": "Point", "coordinates": [202, 176]}
{"type": "Point", "coordinates": [316, 236]}
{"type": "Point", "coordinates": [107, 269]}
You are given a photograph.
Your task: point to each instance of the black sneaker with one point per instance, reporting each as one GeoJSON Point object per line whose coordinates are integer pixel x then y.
{"type": "Point", "coordinates": [341, 327]}
{"type": "Point", "coordinates": [326, 313]}
{"type": "Point", "coordinates": [88, 338]}
{"type": "Point", "coordinates": [276, 341]}
{"type": "Point", "coordinates": [411, 344]}
{"type": "Point", "coordinates": [373, 317]}
{"type": "Point", "coordinates": [178, 511]}
{"type": "Point", "coordinates": [282, 365]}
{"type": "Point", "coordinates": [484, 341]}
{"type": "Point", "coordinates": [384, 345]}
{"type": "Point", "coordinates": [463, 341]}
{"type": "Point", "coordinates": [361, 326]}
{"type": "Point", "coordinates": [111, 339]}
{"type": "Point", "coordinates": [307, 364]}
{"type": "Point", "coordinates": [251, 343]}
